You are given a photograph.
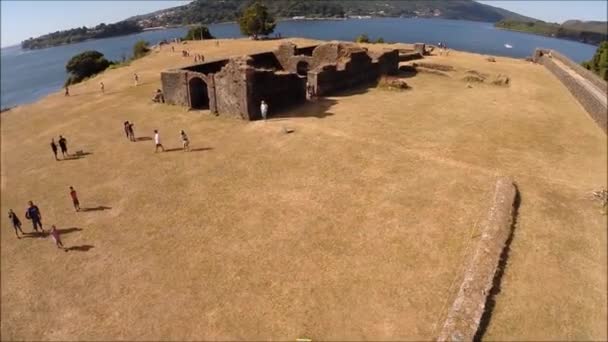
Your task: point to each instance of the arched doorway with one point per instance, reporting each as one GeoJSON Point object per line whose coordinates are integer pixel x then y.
{"type": "Point", "coordinates": [199, 97]}
{"type": "Point", "coordinates": [302, 68]}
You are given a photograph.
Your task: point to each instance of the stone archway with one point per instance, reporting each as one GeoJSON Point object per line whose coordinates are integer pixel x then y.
{"type": "Point", "coordinates": [199, 96]}
{"type": "Point", "coordinates": [302, 68]}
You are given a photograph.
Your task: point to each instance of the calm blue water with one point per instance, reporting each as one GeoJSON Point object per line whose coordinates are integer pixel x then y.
{"type": "Point", "coordinates": [29, 75]}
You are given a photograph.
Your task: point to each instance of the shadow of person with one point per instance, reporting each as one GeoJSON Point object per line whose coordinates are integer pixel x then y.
{"type": "Point", "coordinates": [98, 208]}
{"type": "Point", "coordinates": [68, 230]}
{"type": "Point", "coordinates": [143, 138]}
{"type": "Point", "coordinates": [200, 149]}
{"type": "Point", "coordinates": [81, 248]}
{"type": "Point", "coordinates": [31, 235]}
{"type": "Point", "coordinates": [75, 156]}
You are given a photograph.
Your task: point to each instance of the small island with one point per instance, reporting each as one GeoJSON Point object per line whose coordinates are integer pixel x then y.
{"type": "Point", "coordinates": [589, 32]}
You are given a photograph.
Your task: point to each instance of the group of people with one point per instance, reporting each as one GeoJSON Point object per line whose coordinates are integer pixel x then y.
{"type": "Point", "coordinates": [443, 49]}
{"type": "Point", "coordinates": [33, 214]}
{"type": "Point", "coordinates": [129, 131]}
{"type": "Point", "coordinates": [182, 135]}
{"type": "Point", "coordinates": [198, 57]}
{"type": "Point", "coordinates": [158, 97]}
{"type": "Point", "coordinates": [63, 145]}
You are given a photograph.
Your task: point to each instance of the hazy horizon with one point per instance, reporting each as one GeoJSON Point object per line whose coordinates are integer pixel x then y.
{"type": "Point", "coordinates": [21, 20]}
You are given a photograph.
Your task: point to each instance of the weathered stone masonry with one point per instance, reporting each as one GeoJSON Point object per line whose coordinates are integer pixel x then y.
{"type": "Point", "coordinates": [237, 86]}
{"type": "Point", "coordinates": [592, 105]}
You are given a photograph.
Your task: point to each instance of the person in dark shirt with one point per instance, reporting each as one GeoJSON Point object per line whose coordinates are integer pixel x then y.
{"type": "Point", "coordinates": [131, 131]}
{"type": "Point", "coordinates": [16, 222]}
{"type": "Point", "coordinates": [126, 127]}
{"type": "Point", "coordinates": [54, 148]}
{"type": "Point", "coordinates": [63, 144]}
{"type": "Point", "coordinates": [33, 213]}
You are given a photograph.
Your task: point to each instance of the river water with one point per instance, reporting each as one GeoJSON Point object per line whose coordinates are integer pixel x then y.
{"type": "Point", "coordinates": [28, 75]}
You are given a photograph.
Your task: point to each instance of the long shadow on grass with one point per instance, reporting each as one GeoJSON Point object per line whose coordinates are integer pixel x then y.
{"type": "Point", "coordinates": [98, 208]}
{"type": "Point", "coordinates": [46, 232]}
{"type": "Point", "coordinates": [502, 264]}
{"type": "Point", "coordinates": [81, 248]}
{"type": "Point", "coordinates": [200, 149]}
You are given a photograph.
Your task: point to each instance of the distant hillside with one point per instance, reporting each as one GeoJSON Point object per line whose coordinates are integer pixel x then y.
{"type": "Point", "coordinates": [80, 34]}
{"type": "Point", "coordinates": [590, 32]}
{"type": "Point", "coordinates": [214, 11]}
{"type": "Point", "coordinates": [211, 11]}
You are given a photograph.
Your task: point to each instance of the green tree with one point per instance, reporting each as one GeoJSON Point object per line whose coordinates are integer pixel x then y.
{"type": "Point", "coordinates": [140, 49]}
{"type": "Point", "coordinates": [362, 38]}
{"type": "Point", "coordinates": [599, 63]}
{"type": "Point", "coordinates": [85, 65]}
{"type": "Point", "coordinates": [380, 40]}
{"type": "Point", "coordinates": [256, 21]}
{"type": "Point", "coordinates": [198, 33]}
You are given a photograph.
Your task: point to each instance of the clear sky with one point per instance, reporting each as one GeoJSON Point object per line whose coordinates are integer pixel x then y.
{"type": "Point", "coordinates": [556, 11]}
{"type": "Point", "coordinates": [23, 19]}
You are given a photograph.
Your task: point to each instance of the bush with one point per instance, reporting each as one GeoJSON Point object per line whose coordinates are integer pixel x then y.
{"type": "Point", "coordinates": [380, 40]}
{"type": "Point", "coordinates": [140, 49]}
{"type": "Point", "coordinates": [363, 38]}
{"type": "Point", "coordinates": [198, 33]}
{"type": "Point", "coordinates": [85, 65]}
{"type": "Point", "coordinates": [599, 63]}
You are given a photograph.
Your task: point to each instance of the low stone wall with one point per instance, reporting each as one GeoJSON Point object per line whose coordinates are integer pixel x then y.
{"type": "Point", "coordinates": [465, 315]}
{"type": "Point", "coordinates": [587, 74]}
{"type": "Point", "coordinates": [592, 105]}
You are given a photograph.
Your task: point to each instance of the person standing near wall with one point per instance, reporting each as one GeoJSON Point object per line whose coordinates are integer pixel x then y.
{"type": "Point", "coordinates": [185, 140]}
{"type": "Point", "coordinates": [264, 109]}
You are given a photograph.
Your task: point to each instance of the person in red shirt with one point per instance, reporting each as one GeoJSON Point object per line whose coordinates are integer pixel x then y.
{"type": "Point", "coordinates": [75, 199]}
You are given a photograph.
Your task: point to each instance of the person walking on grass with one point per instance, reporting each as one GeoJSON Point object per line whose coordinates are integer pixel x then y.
{"type": "Point", "coordinates": [185, 141]}
{"type": "Point", "coordinates": [157, 142]}
{"type": "Point", "coordinates": [136, 78]}
{"type": "Point", "coordinates": [56, 238]}
{"type": "Point", "coordinates": [264, 109]}
{"type": "Point", "coordinates": [63, 144]}
{"type": "Point", "coordinates": [75, 201]}
{"type": "Point", "coordinates": [131, 132]}
{"type": "Point", "coordinates": [16, 222]}
{"type": "Point", "coordinates": [102, 87]}
{"type": "Point", "coordinates": [126, 128]}
{"type": "Point", "coordinates": [54, 148]}
{"type": "Point", "coordinates": [33, 213]}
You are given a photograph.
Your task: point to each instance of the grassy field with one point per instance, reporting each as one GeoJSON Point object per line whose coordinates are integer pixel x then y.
{"type": "Point", "coordinates": [357, 226]}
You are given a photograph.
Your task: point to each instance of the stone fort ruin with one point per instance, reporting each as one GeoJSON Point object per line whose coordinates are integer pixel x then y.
{"type": "Point", "coordinates": [282, 78]}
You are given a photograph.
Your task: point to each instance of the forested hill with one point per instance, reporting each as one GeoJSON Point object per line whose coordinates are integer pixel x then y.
{"type": "Point", "coordinates": [214, 11]}
{"type": "Point", "coordinates": [590, 32]}
{"type": "Point", "coordinates": [81, 33]}
{"type": "Point", "coordinates": [211, 11]}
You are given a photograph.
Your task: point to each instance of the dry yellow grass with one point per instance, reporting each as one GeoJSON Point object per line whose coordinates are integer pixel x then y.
{"type": "Point", "coordinates": [355, 226]}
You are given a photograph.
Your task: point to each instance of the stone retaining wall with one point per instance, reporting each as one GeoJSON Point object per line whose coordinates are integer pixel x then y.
{"type": "Point", "coordinates": [465, 315]}
{"type": "Point", "coordinates": [587, 74]}
{"type": "Point", "coordinates": [594, 107]}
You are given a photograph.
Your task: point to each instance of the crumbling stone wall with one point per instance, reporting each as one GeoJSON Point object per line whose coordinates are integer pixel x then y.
{"type": "Point", "coordinates": [592, 105]}
{"type": "Point", "coordinates": [230, 89]}
{"type": "Point", "coordinates": [288, 57]}
{"type": "Point", "coordinates": [175, 87]}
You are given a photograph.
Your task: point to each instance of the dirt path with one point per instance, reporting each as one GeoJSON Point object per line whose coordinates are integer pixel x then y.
{"type": "Point", "coordinates": [597, 93]}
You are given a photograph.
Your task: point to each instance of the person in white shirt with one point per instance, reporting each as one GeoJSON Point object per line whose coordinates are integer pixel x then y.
{"type": "Point", "coordinates": [264, 109]}
{"type": "Point", "coordinates": [157, 141]}
{"type": "Point", "coordinates": [185, 141]}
